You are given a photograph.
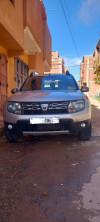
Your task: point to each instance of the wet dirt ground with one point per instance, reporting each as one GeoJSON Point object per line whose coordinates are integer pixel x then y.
{"type": "Point", "coordinates": [51, 178]}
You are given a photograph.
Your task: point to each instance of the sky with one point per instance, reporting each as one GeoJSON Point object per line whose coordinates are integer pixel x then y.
{"type": "Point", "coordinates": [74, 26]}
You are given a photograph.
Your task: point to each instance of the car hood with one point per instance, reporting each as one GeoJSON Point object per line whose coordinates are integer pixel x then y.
{"type": "Point", "coordinates": [46, 96]}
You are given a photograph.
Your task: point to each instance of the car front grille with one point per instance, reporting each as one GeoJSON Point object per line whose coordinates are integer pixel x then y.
{"type": "Point", "coordinates": [32, 108]}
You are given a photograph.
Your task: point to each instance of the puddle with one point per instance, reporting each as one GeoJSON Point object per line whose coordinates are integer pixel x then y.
{"type": "Point", "coordinates": [89, 198]}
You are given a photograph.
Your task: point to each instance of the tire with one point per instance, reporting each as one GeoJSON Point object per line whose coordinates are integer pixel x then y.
{"type": "Point", "coordinates": [11, 137]}
{"type": "Point", "coordinates": [86, 134]}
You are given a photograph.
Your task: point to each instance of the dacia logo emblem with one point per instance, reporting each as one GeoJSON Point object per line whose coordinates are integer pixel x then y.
{"type": "Point", "coordinates": [44, 107]}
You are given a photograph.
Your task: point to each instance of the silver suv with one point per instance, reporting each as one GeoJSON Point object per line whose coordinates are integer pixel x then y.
{"type": "Point", "coordinates": [48, 104]}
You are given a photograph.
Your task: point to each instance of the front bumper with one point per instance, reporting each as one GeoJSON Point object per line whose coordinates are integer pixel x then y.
{"type": "Point", "coordinates": [64, 126]}
{"type": "Point", "coordinates": [67, 123]}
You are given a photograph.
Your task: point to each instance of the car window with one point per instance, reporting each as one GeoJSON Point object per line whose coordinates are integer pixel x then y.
{"type": "Point", "coordinates": [56, 82]}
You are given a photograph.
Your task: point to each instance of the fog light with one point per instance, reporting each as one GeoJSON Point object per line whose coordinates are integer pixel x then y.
{"type": "Point", "coordinates": [10, 126]}
{"type": "Point", "coordinates": [83, 125]}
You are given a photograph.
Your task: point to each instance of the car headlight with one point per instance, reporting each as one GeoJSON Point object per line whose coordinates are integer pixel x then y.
{"type": "Point", "coordinates": [76, 106]}
{"type": "Point", "coordinates": [14, 108]}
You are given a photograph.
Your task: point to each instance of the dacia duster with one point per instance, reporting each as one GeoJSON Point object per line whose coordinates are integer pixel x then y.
{"type": "Point", "coordinates": [48, 104]}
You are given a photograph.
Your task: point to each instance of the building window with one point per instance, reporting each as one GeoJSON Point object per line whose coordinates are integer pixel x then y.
{"type": "Point", "coordinates": [12, 2]}
{"type": "Point", "coordinates": [22, 67]}
{"type": "Point", "coordinates": [21, 72]}
{"type": "Point", "coordinates": [17, 65]}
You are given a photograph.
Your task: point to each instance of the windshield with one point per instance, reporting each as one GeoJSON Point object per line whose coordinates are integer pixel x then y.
{"type": "Point", "coordinates": [56, 82]}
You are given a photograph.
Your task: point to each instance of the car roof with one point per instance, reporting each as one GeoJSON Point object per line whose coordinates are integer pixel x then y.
{"type": "Point", "coordinates": [50, 74]}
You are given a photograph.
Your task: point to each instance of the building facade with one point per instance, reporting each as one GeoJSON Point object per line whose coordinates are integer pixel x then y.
{"type": "Point", "coordinates": [87, 75]}
{"type": "Point", "coordinates": [25, 43]}
{"type": "Point", "coordinates": [88, 68]}
{"type": "Point", "coordinates": [57, 63]}
{"type": "Point", "coordinates": [96, 55]}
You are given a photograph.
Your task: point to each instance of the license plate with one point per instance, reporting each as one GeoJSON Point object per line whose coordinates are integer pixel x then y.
{"type": "Point", "coordinates": [44, 120]}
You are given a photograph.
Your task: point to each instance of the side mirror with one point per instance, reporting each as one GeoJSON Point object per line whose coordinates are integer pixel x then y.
{"type": "Point", "coordinates": [13, 91]}
{"type": "Point", "coordinates": [84, 89]}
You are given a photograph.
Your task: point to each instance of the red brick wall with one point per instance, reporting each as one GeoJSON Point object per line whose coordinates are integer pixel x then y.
{"type": "Point", "coordinates": [87, 75]}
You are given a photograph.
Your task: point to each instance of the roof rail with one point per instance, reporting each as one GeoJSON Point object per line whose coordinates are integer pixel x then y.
{"type": "Point", "coordinates": [34, 73]}
{"type": "Point", "coordinates": [67, 73]}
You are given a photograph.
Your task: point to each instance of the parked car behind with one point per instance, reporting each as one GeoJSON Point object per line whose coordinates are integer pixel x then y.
{"type": "Point", "coordinates": [48, 104]}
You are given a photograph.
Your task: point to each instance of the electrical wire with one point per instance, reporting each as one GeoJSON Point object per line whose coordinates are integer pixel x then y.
{"type": "Point", "coordinates": [70, 29]}
{"type": "Point", "coordinates": [68, 15]}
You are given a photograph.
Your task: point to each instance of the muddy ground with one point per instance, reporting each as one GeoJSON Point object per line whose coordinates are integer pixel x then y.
{"type": "Point", "coordinates": [51, 178]}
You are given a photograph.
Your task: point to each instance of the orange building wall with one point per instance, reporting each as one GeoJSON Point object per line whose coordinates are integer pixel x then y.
{"type": "Point", "coordinates": [35, 20]}
{"type": "Point", "coordinates": [3, 50]}
{"type": "Point", "coordinates": [35, 63]}
{"type": "Point", "coordinates": [30, 18]}
{"type": "Point", "coordinates": [35, 25]}
{"type": "Point", "coordinates": [10, 70]}
{"type": "Point", "coordinates": [24, 58]}
{"type": "Point", "coordinates": [47, 43]}
{"type": "Point", "coordinates": [11, 75]}
{"type": "Point", "coordinates": [23, 33]}
{"type": "Point", "coordinates": [11, 18]}
{"type": "Point", "coordinates": [12, 24]}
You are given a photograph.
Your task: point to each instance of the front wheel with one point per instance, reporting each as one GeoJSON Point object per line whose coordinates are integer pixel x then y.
{"type": "Point", "coordinates": [85, 135]}
{"type": "Point", "coordinates": [11, 137]}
